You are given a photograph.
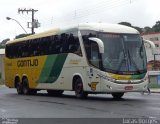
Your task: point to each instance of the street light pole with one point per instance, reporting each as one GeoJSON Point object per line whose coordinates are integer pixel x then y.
{"type": "Point", "coordinates": [8, 18]}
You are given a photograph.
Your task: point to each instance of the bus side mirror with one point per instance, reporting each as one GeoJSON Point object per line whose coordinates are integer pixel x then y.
{"type": "Point", "coordinates": [99, 42]}
{"type": "Point", "coordinates": [151, 44]}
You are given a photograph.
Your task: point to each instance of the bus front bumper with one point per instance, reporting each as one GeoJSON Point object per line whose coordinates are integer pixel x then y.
{"type": "Point", "coordinates": [110, 87]}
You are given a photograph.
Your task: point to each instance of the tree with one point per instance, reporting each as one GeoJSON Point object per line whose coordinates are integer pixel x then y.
{"type": "Point", "coordinates": [156, 27]}
{"type": "Point", "coordinates": [147, 29]}
{"type": "Point", "coordinates": [130, 25]}
{"type": "Point", "coordinates": [125, 23]}
{"type": "Point", "coordinates": [138, 28]}
{"type": "Point", "coordinates": [22, 35]}
{"type": "Point", "coordinates": [3, 43]}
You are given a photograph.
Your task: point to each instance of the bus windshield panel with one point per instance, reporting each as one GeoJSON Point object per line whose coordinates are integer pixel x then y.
{"type": "Point", "coordinates": [123, 53]}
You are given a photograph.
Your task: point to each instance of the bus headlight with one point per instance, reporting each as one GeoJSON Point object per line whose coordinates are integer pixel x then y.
{"type": "Point", "coordinates": [109, 87]}
{"type": "Point", "coordinates": [107, 78]}
{"type": "Point", "coordinates": [110, 79]}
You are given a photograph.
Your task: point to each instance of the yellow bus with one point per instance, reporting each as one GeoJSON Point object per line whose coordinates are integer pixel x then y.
{"type": "Point", "coordinates": [89, 58]}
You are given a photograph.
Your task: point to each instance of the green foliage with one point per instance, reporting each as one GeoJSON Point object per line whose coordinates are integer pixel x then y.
{"type": "Point", "coordinates": [138, 28]}
{"type": "Point", "coordinates": [2, 46]}
{"type": "Point", "coordinates": [156, 27]}
{"type": "Point", "coordinates": [147, 29]}
{"type": "Point", "coordinates": [22, 35]}
{"type": "Point", "coordinates": [130, 25]}
{"type": "Point", "coordinates": [125, 23]}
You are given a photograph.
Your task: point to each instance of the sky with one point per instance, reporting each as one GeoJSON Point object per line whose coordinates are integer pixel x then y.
{"type": "Point", "coordinates": [59, 13]}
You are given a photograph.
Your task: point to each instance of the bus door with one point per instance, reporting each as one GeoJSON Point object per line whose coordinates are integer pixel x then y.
{"type": "Point", "coordinates": [94, 62]}
{"type": "Point", "coordinates": [93, 80]}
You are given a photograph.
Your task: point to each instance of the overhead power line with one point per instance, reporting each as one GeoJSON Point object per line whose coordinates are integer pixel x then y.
{"type": "Point", "coordinates": [84, 13]}
{"type": "Point", "coordinates": [98, 8]}
{"type": "Point", "coordinates": [101, 8]}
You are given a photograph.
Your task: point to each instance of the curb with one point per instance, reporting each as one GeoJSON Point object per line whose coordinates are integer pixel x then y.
{"type": "Point", "coordinates": [155, 90]}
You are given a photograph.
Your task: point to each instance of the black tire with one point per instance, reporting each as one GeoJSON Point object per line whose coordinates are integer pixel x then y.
{"type": "Point", "coordinates": [78, 87]}
{"type": "Point", "coordinates": [26, 89]}
{"type": "Point", "coordinates": [55, 92]}
{"type": "Point", "coordinates": [117, 95]}
{"type": "Point", "coordinates": [19, 87]}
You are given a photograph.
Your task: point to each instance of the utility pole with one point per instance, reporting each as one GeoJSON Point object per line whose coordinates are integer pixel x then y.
{"type": "Point", "coordinates": [34, 23]}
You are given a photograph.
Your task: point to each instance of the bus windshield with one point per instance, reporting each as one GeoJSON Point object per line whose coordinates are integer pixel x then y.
{"type": "Point", "coordinates": [123, 53]}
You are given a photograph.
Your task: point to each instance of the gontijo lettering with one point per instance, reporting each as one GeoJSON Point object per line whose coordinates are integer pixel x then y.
{"type": "Point", "coordinates": [27, 63]}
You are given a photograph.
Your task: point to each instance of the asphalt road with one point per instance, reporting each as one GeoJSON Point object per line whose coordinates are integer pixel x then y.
{"type": "Point", "coordinates": [133, 105]}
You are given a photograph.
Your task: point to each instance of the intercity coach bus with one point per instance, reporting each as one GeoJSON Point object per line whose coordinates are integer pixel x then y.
{"type": "Point", "coordinates": [89, 58]}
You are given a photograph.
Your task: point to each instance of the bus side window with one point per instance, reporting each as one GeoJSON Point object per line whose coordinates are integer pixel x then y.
{"type": "Point", "coordinates": [87, 46]}
{"type": "Point", "coordinates": [29, 48]}
{"type": "Point", "coordinates": [58, 44]}
{"type": "Point", "coordinates": [94, 60]}
{"type": "Point", "coordinates": [92, 51]}
{"type": "Point", "coordinates": [56, 41]}
{"type": "Point", "coordinates": [41, 46]}
{"type": "Point", "coordinates": [71, 43]}
{"type": "Point", "coordinates": [52, 45]}
{"type": "Point", "coordinates": [63, 43]}
{"type": "Point", "coordinates": [19, 52]}
{"type": "Point", "coordinates": [36, 46]}
{"type": "Point", "coordinates": [11, 53]}
{"type": "Point", "coordinates": [77, 48]}
{"type": "Point", "coordinates": [24, 48]}
{"type": "Point", "coordinates": [74, 45]}
{"type": "Point", "coordinates": [48, 40]}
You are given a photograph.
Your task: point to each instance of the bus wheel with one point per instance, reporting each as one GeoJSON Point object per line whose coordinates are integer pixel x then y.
{"type": "Point", "coordinates": [55, 92]}
{"type": "Point", "coordinates": [26, 89]}
{"type": "Point", "coordinates": [117, 95]}
{"type": "Point", "coordinates": [19, 87]}
{"type": "Point", "coordinates": [78, 87]}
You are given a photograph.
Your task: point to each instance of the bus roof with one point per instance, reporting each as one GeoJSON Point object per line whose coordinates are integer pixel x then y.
{"type": "Point", "coordinates": [106, 27]}
{"type": "Point", "coordinates": [38, 35]}
{"type": "Point", "coordinates": [102, 27]}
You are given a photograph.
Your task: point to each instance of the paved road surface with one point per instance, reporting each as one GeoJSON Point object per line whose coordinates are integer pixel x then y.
{"type": "Point", "coordinates": [133, 105]}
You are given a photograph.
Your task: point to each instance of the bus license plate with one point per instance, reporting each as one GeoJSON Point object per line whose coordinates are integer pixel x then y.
{"type": "Point", "coordinates": [128, 88]}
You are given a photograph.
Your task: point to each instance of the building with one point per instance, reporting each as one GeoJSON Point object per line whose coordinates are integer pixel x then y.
{"type": "Point", "coordinates": [155, 37]}
{"type": "Point", "coordinates": [153, 59]}
{"type": "Point", "coordinates": [2, 52]}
